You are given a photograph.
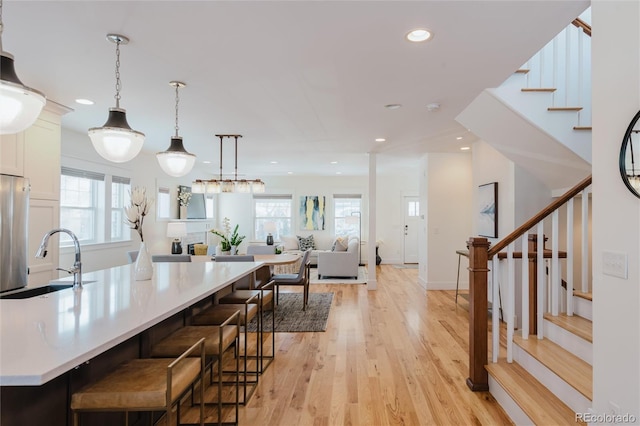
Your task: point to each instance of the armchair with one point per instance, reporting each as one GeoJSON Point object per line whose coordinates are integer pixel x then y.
{"type": "Point", "coordinates": [340, 263]}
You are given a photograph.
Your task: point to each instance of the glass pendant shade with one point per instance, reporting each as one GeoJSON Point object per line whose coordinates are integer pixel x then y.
{"type": "Point", "coordinates": [213, 187]}
{"type": "Point", "coordinates": [176, 161]}
{"type": "Point", "coordinates": [198, 187]}
{"type": "Point", "coordinates": [115, 140]}
{"type": "Point", "coordinates": [258, 186]}
{"type": "Point", "coordinates": [20, 106]}
{"type": "Point", "coordinates": [228, 185]}
{"type": "Point", "coordinates": [243, 186]}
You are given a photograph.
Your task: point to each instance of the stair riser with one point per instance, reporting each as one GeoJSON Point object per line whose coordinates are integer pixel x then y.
{"type": "Point", "coordinates": [582, 307]}
{"type": "Point", "coordinates": [565, 392]}
{"type": "Point", "coordinates": [569, 341]}
{"type": "Point", "coordinates": [507, 403]}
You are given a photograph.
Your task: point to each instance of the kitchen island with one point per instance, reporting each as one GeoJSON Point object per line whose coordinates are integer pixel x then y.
{"type": "Point", "coordinates": [48, 343]}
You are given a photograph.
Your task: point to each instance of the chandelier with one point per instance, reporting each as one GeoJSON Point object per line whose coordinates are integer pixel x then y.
{"type": "Point", "coordinates": [216, 186]}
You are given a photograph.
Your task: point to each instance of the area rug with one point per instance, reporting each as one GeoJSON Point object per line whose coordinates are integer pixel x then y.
{"type": "Point", "coordinates": [362, 278]}
{"type": "Point", "coordinates": [290, 318]}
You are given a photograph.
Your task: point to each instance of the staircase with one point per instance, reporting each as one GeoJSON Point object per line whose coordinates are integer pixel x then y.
{"type": "Point", "coordinates": [550, 379]}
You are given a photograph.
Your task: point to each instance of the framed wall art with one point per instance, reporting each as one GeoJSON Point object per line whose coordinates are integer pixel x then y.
{"type": "Point", "coordinates": [312, 208]}
{"type": "Point", "coordinates": [488, 210]}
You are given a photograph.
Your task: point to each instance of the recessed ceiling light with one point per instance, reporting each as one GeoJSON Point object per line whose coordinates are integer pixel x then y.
{"type": "Point", "coordinates": [418, 35]}
{"type": "Point", "coordinates": [334, 162]}
{"type": "Point", "coordinates": [273, 162]}
{"type": "Point", "coordinates": [338, 173]}
{"type": "Point", "coordinates": [206, 162]}
{"type": "Point", "coordinates": [289, 173]}
{"type": "Point", "coordinates": [459, 138]}
{"type": "Point", "coordinates": [433, 107]}
{"type": "Point", "coordinates": [465, 148]}
{"type": "Point", "coordinates": [392, 106]}
{"type": "Point", "coordinates": [84, 101]}
{"type": "Point", "coordinates": [381, 140]}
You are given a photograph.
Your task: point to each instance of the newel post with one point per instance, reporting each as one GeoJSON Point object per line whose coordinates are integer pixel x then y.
{"type": "Point", "coordinates": [478, 322]}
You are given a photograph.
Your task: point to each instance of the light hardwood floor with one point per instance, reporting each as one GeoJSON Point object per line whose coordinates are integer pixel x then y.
{"type": "Point", "coordinates": [397, 355]}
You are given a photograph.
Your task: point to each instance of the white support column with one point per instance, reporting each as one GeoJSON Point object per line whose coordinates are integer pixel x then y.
{"type": "Point", "coordinates": [525, 285]}
{"type": "Point", "coordinates": [541, 280]}
{"type": "Point", "coordinates": [569, 262]}
{"type": "Point", "coordinates": [372, 282]}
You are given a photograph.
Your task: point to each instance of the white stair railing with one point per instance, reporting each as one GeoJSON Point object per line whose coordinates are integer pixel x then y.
{"type": "Point", "coordinates": [549, 289]}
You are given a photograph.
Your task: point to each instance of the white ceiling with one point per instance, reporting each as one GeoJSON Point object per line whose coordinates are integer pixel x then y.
{"type": "Point", "coordinates": [305, 82]}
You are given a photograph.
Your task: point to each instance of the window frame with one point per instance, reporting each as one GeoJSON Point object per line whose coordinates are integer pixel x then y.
{"type": "Point", "coordinates": [258, 221]}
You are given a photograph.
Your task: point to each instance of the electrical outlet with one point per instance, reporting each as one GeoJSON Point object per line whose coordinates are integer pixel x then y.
{"type": "Point", "coordinates": [614, 264]}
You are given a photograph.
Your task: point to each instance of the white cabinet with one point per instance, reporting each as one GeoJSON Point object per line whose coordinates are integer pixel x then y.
{"type": "Point", "coordinates": [42, 157]}
{"type": "Point", "coordinates": [35, 154]}
{"type": "Point", "coordinates": [12, 154]}
{"type": "Point", "coordinates": [44, 215]}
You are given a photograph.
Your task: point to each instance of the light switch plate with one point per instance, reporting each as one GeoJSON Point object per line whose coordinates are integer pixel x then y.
{"type": "Point", "coordinates": [614, 264]}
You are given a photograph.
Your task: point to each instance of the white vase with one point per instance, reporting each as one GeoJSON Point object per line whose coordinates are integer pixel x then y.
{"type": "Point", "coordinates": [234, 250]}
{"type": "Point", "coordinates": [183, 212]}
{"type": "Point", "coordinates": [143, 269]}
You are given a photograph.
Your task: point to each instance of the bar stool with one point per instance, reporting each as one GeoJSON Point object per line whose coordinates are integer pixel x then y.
{"type": "Point", "coordinates": [217, 340]}
{"type": "Point", "coordinates": [248, 288]}
{"type": "Point", "coordinates": [146, 385]}
{"type": "Point", "coordinates": [216, 315]}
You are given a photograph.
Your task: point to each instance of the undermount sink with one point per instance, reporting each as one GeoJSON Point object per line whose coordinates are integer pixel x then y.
{"type": "Point", "coordinates": [33, 292]}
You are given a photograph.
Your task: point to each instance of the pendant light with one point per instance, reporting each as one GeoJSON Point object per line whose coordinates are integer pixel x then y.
{"type": "Point", "coordinates": [115, 140]}
{"type": "Point", "coordinates": [20, 105]}
{"type": "Point", "coordinates": [176, 161]}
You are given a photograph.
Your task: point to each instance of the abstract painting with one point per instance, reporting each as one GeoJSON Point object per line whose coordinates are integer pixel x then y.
{"type": "Point", "coordinates": [312, 212]}
{"type": "Point", "coordinates": [488, 210]}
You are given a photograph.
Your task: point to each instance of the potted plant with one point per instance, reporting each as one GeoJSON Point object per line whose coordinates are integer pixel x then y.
{"type": "Point", "coordinates": [229, 241]}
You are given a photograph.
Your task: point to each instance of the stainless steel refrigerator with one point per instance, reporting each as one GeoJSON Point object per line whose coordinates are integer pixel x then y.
{"type": "Point", "coordinates": [14, 223]}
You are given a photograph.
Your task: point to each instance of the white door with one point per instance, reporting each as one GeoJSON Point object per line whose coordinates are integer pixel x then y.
{"type": "Point", "coordinates": [411, 223]}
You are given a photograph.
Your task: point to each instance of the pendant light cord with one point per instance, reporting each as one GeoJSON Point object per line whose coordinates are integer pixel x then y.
{"type": "Point", "coordinates": [1, 27]}
{"type": "Point", "coordinates": [118, 83]}
{"type": "Point", "coordinates": [177, 101]}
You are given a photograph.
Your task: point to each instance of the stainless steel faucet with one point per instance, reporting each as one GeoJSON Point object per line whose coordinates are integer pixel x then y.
{"type": "Point", "coordinates": [76, 270]}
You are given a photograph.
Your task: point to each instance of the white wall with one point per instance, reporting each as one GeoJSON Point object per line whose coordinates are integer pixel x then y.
{"type": "Point", "coordinates": [616, 212]}
{"type": "Point", "coordinates": [448, 222]}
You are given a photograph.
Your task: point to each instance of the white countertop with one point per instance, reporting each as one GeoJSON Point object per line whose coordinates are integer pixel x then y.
{"type": "Point", "coordinates": [45, 336]}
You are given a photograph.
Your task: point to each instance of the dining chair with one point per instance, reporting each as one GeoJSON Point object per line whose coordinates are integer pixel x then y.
{"type": "Point", "coordinates": [261, 250]}
{"type": "Point", "coordinates": [171, 258]}
{"type": "Point", "coordinates": [301, 278]}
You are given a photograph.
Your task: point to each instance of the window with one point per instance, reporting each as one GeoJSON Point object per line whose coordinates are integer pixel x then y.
{"type": "Point", "coordinates": [347, 214]}
{"type": "Point", "coordinates": [84, 197]}
{"type": "Point", "coordinates": [164, 203]}
{"type": "Point", "coordinates": [413, 208]}
{"type": "Point", "coordinates": [272, 215]}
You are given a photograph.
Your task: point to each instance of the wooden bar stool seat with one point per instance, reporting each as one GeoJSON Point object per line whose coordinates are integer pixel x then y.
{"type": "Point", "coordinates": [146, 385]}
{"type": "Point", "coordinates": [216, 315]}
{"type": "Point", "coordinates": [217, 340]}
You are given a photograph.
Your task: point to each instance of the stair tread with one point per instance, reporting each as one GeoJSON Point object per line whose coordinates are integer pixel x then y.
{"type": "Point", "coordinates": [538, 402]}
{"type": "Point", "coordinates": [576, 372]}
{"type": "Point", "coordinates": [587, 296]}
{"type": "Point", "coordinates": [575, 324]}
{"type": "Point", "coordinates": [522, 71]}
{"type": "Point", "coordinates": [538, 89]}
{"type": "Point", "coordinates": [564, 108]}
{"type": "Point", "coordinates": [582, 128]}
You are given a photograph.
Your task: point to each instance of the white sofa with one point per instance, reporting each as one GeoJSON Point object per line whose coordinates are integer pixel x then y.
{"type": "Point", "coordinates": [340, 263]}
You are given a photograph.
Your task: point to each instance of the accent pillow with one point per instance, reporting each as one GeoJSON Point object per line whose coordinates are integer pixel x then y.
{"type": "Point", "coordinates": [290, 243]}
{"type": "Point", "coordinates": [340, 244]}
{"type": "Point", "coordinates": [305, 243]}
